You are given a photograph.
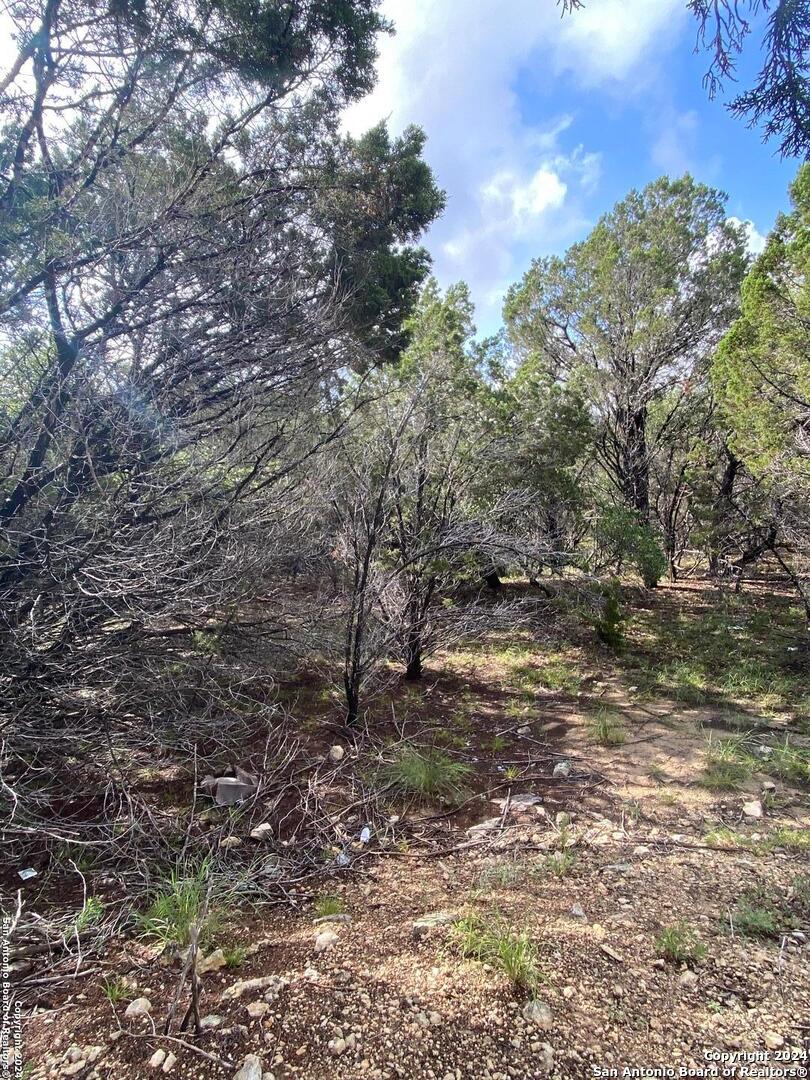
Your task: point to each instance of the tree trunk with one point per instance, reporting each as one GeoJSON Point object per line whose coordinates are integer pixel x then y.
{"type": "Point", "coordinates": [634, 468]}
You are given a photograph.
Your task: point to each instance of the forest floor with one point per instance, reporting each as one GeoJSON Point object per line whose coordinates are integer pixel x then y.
{"type": "Point", "coordinates": [646, 907]}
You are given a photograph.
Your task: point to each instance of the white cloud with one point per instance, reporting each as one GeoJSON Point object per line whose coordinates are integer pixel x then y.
{"type": "Point", "coordinates": [517, 186]}
{"type": "Point", "coordinates": [755, 241]}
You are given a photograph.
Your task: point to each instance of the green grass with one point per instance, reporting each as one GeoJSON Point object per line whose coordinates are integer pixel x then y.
{"type": "Point", "coordinates": [427, 774]}
{"type": "Point", "coordinates": [680, 943]}
{"type": "Point", "coordinates": [559, 863]}
{"type": "Point", "coordinates": [493, 942]}
{"type": "Point", "coordinates": [329, 905]}
{"type": "Point", "coordinates": [783, 837]}
{"type": "Point", "coordinates": [561, 676]}
{"type": "Point", "coordinates": [177, 907]}
{"type": "Point", "coordinates": [235, 956]}
{"type": "Point", "coordinates": [607, 728]}
{"type": "Point", "coordinates": [116, 989]}
{"type": "Point", "coordinates": [755, 915]}
{"type": "Point", "coordinates": [90, 915]}
{"type": "Point", "coordinates": [789, 762]}
{"type": "Point", "coordinates": [728, 763]}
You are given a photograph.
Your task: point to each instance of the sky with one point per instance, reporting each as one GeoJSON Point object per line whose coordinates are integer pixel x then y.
{"type": "Point", "coordinates": [537, 125]}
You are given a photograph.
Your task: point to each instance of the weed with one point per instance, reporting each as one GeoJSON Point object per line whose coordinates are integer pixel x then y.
{"type": "Point", "coordinates": [427, 774]}
{"type": "Point", "coordinates": [235, 956]}
{"type": "Point", "coordinates": [495, 943]}
{"type": "Point", "coordinates": [679, 942]}
{"type": "Point", "coordinates": [90, 915]}
{"type": "Point", "coordinates": [606, 728]}
{"type": "Point", "coordinates": [512, 772]}
{"type": "Point", "coordinates": [792, 839]}
{"type": "Point", "coordinates": [179, 906]}
{"type": "Point", "coordinates": [329, 905]}
{"type": "Point", "coordinates": [116, 989]}
{"type": "Point", "coordinates": [755, 915]}
{"type": "Point", "coordinates": [559, 863]}
{"type": "Point", "coordinates": [497, 744]}
{"type": "Point", "coordinates": [728, 763]}
{"type": "Point", "coordinates": [789, 762]}
{"type": "Point", "coordinates": [561, 676]}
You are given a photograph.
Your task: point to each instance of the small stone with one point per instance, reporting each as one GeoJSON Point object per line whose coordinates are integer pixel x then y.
{"type": "Point", "coordinates": [157, 1059]}
{"type": "Point", "coordinates": [773, 1040]}
{"type": "Point", "coordinates": [229, 842]}
{"type": "Point", "coordinates": [768, 787]}
{"type": "Point", "coordinates": [577, 912]}
{"type": "Point", "coordinates": [210, 1022]}
{"type": "Point", "coordinates": [753, 809]}
{"type": "Point", "coordinates": [425, 923]}
{"type": "Point", "coordinates": [262, 832]}
{"type": "Point", "coordinates": [688, 978]}
{"type": "Point", "coordinates": [539, 1013]}
{"type": "Point", "coordinates": [74, 1054]}
{"type": "Point", "coordinates": [213, 962]}
{"type": "Point", "coordinates": [75, 1068]}
{"type": "Point", "coordinates": [545, 1058]}
{"type": "Point", "coordinates": [562, 820]}
{"type": "Point", "coordinates": [258, 1009]}
{"type": "Point", "coordinates": [336, 1047]}
{"type": "Point", "coordinates": [336, 754]}
{"type": "Point", "coordinates": [93, 1053]}
{"type": "Point", "coordinates": [568, 992]}
{"type": "Point", "coordinates": [251, 1069]}
{"type": "Point", "coordinates": [138, 1008]}
{"type": "Point", "coordinates": [562, 769]}
{"type": "Point", "coordinates": [271, 984]}
{"type": "Point", "coordinates": [325, 940]}
{"type": "Point", "coordinates": [170, 1062]}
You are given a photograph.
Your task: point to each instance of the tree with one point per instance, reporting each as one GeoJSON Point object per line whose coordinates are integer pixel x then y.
{"type": "Point", "coordinates": [762, 376]}
{"type": "Point", "coordinates": [780, 97]}
{"type": "Point", "coordinates": [630, 317]}
{"type": "Point", "coordinates": [175, 339]}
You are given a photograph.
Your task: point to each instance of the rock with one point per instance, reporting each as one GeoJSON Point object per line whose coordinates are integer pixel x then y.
{"type": "Point", "coordinates": [262, 832]}
{"type": "Point", "coordinates": [325, 940]}
{"type": "Point", "coordinates": [258, 1009]}
{"type": "Point", "coordinates": [768, 787]}
{"type": "Point", "coordinates": [170, 1062]}
{"type": "Point", "coordinates": [336, 1047]}
{"type": "Point", "coordinates": [524, 731]}
{"type": "Point", "coordinates": [344, 919]}
{"type": "Point", "coordinates": [425, 923]}
{"type": "Point", "coordinates": [228, 791]}
{"type": "Point", "coordinates": [74, 1054]}
{"type": "Point", "coordinates": [773, 1040]}
{"type": "Point", "coordinates": [213, 962]}
{"type": "Point", "coordinates": [138, 1008]}
{"type": "Point", "coordinates": [75, 1068]}
{"type": "Point", "coordinates": [568, 992]}
{"type": "Point", "coordinates": [273, 984]}
{"type": "Point", "coordinates": [229, 842]}
{"type": "Point", "coordinates": [539, 1013]}
{"type": "Point", "coordinates": [519, 802]}
{"type": "Point", "coordinates": [93, 1053]}
{"type": "Point", "coordinates": [577, 912]}
{"type": "Point", "coordinates": [477, 832]}
{"type": "Point", "coordinates": [251, 1069]}
{"type": "Point", "coordinates": [562, 820]}
{"type": "Point", "coordinates": [336, 754]}
{"type": "Point", "coordinates": [208, 1023]}
{"type": "Point", "coordinates": [157, 1059]}
{"type": "Point", "coordinates": [753, 809]}
{"type": "Point", "coordinates": [562, 768]}
{"type": "Point", "coordinates": [688, 978]}
{"type": "Point", "coordinates": [545, 1058]}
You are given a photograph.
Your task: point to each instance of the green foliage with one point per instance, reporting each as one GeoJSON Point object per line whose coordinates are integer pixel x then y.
{"type": "Point", "coordinates": [755, 915]}
{"type": "Point", "coordinates": [559, 863]}
{"type": "Point", "coordinates": [680, 943]}
{"type": "Point", "coordinates": [609, 622]}
{"type": "Point", "coordinates": [607, 728]}
{"type": "Point", "coordinates": [728, 763]}
{"type": "Point", "coordinates": [116, 989]}
{"type": "Point", "coordinates": [762, 368]}
{"type": "Point", "coordinates": [235, 956]}
{"type": "Point", "coordinates": [178, 906]}
{"type": "Point", "coordinates": [90, 915]}
{"type": "Point", "coordinates": [427, 774]}
{"type": "Point", "coordinates": [626, 538]}
{"type": "Point", "coordinates": [329, 905]}
{"type": "Point", "coordinates": [493, 942]}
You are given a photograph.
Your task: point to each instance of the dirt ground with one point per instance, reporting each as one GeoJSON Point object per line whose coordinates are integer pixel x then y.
{"type": "Point", "coordinates": [625, 841]}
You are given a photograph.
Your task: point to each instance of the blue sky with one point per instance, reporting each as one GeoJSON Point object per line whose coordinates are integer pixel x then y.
{"type": "Point", "coordinates": [537, 125]}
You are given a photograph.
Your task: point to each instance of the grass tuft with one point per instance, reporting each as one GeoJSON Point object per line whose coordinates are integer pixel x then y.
{"type": "Point", "coordinates": [607, 728]}
{"type": "Point", "coordinates": [495, 943]}
{"type": "Point", "coordinates": [178, 906]}
{"type": "Point", "coordinates": [680, 943]}
{"type": "Point", "coordinates": [428, 774]}
{"type": "Point", "coordinates": [329, 905]}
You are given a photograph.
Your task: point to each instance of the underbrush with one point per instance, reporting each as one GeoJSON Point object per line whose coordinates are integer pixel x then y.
{"type": "Point", "coordinates": [680, 943]}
